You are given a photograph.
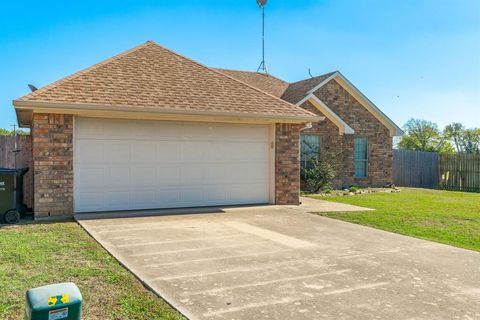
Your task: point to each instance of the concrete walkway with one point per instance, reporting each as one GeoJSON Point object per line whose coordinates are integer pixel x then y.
{"type": "Point", "coordinates": [274, 262]}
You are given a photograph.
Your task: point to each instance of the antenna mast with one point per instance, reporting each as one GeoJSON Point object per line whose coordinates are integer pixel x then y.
{"type": "Point", "coordinates": [262, 66]}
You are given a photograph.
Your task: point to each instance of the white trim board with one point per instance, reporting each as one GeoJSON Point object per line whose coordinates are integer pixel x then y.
{"type": "Point", "coordinates": [343, 128]}
{"type": "Point", "coordinates": [364, 101]}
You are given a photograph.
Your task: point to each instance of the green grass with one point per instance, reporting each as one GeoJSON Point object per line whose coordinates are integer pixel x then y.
{"type": "Point", "coordinates": [448, 217]}
{"type": "Point", "coordinates": [33, 255]}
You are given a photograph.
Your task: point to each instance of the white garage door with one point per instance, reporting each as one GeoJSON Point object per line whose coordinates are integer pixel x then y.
{"type": "Point", "coordinates": [131, 164]}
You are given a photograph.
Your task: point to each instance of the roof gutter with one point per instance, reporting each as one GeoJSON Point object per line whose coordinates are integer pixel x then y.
{"type": "Point", "coordinates": [27, 107]}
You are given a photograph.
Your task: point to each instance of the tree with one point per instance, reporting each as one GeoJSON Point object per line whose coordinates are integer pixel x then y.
{"type": "Point", "coordinates": [422, 135]}
{"type": "Point", "coordinates": [5, 132]}
{"type": "Point", "coordinates": [465, 140]}
{"type": "Point", "coordinates": [319, 174]}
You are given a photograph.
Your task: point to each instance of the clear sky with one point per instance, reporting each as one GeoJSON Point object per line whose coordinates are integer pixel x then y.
{"type": "Point", "coordinates": [413, 58]}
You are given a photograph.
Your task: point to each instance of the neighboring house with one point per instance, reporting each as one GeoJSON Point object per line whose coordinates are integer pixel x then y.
{"type": "Point", "coordinates": [355, 132]}
{"type": "Point", "coordinates": [150, 128]}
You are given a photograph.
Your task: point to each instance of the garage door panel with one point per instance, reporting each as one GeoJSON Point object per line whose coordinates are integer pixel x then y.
{"type": "Point", "coordinates": [168, 176]}
{"type": "Point", "coordinates": [143, 176]}
{"type": "Point", "coordinates": [168, 151]}
{"type": "Point", "coordinates": [192, 196]}
{"type": "Point", "coordinates": [192, 175]}
{"type": "Point", "coordinates": [144, 152]}
{"type": "Point", "coordinates": [153, 164]}
{"type": "Point", "coordinates": [246, 172]}
{"type": "Point", "coordinates": [256, 192]}
{"type": "Point", "coordinates": [117, 200]}
{"type": "Point", "coordinates": [90, 152]}
{"type": "Point", "coordinates": [216, 174]}
{"type": "Point", "coordinates": [117, 177]}
{"type": "Point", "coordinates": [93, 128]}
{"type": "Point", "coordinates": [171, 196]}
{"type": "Point", "coordinates": [90, 176]}
{"type": "Point", "coordinates": [144, 198]}
{"type": "Point", "coordinates": [89, 201]}
{"type": "Point", "coordinates": [117, 152]}
{"type": "Point", "coordinates": [216, 194]}
{"type": "Point", "coordinates": [194, 151]}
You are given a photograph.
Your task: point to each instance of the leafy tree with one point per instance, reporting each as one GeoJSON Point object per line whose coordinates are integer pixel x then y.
{"type": "Point", "coordinates": [422, 135]}
{"type": "Point", "coordinates": [465, 140]}
{"type": "Point", "coordinates": [5, 132]}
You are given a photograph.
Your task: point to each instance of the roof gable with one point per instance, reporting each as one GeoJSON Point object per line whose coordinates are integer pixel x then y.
{"type": "Point", "coordinates": [362, 99]}
{"type": "Point", "coordinates": [150, 77]}
{"type": "Point", "coordinates": [296, 91]}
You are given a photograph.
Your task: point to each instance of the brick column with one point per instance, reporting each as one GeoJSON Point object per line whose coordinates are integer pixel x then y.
{"type": "Point", "coordinates": [287, 164]}
{"type": "Point", "coordinates": [52, 148]}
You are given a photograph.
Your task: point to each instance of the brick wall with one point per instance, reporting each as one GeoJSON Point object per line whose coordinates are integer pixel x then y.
{"type": "Point", "coordinates": [287, 164]}
{"type": "Point", "coordinates": [380, 158]}
{"type": "Point", "coordinates": [52, 149]}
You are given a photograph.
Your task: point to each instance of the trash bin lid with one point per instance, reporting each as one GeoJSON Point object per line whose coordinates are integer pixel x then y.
{"type": "Point", "coordinates": [60, 294]}
{"type": "Point", "coordinates": [13, 171]}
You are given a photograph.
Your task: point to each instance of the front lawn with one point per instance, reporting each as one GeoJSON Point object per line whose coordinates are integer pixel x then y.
{"type": "Point", "coordinates": [33, 255]}
{"type": "Point", "coordinates": [444, 216]}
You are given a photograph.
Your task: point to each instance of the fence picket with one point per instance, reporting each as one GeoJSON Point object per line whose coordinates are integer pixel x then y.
{"type": "Point", "coordinates": [433, 170]}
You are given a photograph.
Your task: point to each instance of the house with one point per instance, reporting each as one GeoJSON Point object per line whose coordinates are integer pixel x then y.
{"type": "Point", "coordinates": [355, 133]}
{"type": "Point", "coordinates": [150, 128]}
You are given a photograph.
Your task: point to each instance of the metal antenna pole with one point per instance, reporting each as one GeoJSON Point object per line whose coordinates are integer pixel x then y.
{"type": "Point", "coordinates": [262, 65]}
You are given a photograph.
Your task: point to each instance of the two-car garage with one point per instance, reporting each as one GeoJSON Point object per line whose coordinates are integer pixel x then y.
{"type": "Point", "coordinates": [152, 129]}
{"type": "Point", "coordinates": [133, 164]}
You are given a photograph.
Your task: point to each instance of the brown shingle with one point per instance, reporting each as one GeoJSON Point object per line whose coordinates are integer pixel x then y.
{"type": "Point", "coordinates": [296, 91]}
{"type": "Point", "coordinates": [265, 82]}
{"type": "Point", "coordinates": [150, 76]}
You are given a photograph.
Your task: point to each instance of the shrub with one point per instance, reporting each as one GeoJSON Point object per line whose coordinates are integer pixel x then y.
{"type": "Point", "coordinates": [353, 189]}
{"type": "Point", "coordinates": [319, 174]}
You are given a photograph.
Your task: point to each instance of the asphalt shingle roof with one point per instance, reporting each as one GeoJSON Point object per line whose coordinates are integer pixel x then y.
{"type": "Point", "coordinates": [263, 81]}
{"type": "Point", "coordinates": [296, 91]}
{"type": "Point", "coordinates": [152, 77]}
{"type": "Point", "coordinates": [290, 92]}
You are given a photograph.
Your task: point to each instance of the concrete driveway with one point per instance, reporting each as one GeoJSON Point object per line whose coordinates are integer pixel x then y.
{"type": "Point", "coordinates": [278, 262]}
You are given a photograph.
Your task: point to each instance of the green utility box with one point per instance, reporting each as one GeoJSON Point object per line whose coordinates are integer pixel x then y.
{"type": "Point", "coordinates": [54, 302]}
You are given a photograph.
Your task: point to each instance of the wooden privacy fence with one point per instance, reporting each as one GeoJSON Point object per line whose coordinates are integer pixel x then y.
{"type": "Point", "coordinates": [459, 172]}
{"type": "Point", "coordinates": [433, 170]}
{"type": "Point", "coordinates": [415, 169]}
{"type": "Point", "coordinates": [23, 159]}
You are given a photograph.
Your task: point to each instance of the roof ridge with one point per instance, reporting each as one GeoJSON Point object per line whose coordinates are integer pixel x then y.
{"type": "Point", "coordinates": [254, 72]}
{"type": "Point", "coordinates": [85, 70]}
{"type": "Point", "coordinates": [319, 76]}
{"type": "Point", "coordinates": [224, 75]}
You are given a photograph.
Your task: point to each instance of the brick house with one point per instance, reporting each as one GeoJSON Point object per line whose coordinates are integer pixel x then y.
{"type": "Point", "coordinates": [150, 128]}
{"type": "Point", "coordinates": [354, 131]}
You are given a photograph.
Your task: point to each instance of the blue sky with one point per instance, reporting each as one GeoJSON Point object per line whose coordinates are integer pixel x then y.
{"type": "Point", "coordinates": [413, 58]}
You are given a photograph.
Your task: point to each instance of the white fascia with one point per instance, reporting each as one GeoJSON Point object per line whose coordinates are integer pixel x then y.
{"type": "Point", "coordinates": [343, 128]}
{"type": "Point", "coordinates": [364, 101]}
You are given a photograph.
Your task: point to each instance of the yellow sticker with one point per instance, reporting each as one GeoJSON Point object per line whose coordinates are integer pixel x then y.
{"type": "Point", "coordinates": [62, 299]}
{"type": "Point", "coordinates": [52, 301]}
{"type": "Point", "coordinates": [65, 298]}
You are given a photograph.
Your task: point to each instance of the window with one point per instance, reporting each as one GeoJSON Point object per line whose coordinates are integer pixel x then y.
{"type": "Point", "coordinates": [309, 149]}
{"type": "Point", "coordinates": [360, 157]}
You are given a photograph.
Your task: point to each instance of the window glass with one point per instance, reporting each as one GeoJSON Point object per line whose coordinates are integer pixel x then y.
{"type": "Point", "coordinates": [309, 149]}
{"type": "Point", "coordinates": [360, 152]}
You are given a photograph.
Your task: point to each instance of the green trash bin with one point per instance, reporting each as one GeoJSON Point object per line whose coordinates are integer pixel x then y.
{"type": "Point", "coordinates": [62, 301]}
